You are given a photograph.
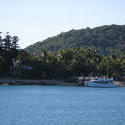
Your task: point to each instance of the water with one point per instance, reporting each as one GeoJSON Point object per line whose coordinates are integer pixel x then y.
{"type": "Point", "coordinates": [56, 105]}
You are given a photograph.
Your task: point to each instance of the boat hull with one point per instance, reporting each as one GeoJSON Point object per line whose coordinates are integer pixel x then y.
{"type": "Point", "coordinates": [100, 85]}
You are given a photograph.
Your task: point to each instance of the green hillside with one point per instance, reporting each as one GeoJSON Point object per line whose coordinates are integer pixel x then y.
{"type": "Point", "coordinates": [108, 39]}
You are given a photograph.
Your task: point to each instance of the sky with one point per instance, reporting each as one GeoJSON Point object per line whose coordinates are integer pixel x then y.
{"type": "Point", "coordinates": [36, 20]}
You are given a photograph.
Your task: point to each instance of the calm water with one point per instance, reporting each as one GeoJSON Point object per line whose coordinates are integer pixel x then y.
{"type": "Point", "coordinates": [52, 105]}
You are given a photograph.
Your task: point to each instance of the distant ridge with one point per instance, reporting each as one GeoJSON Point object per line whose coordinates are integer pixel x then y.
{"type": "Point", "coordinates": [107, 39]}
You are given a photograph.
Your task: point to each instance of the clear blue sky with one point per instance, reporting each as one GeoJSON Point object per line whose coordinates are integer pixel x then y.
{"type": "Point", "coordinates": [35, 20]}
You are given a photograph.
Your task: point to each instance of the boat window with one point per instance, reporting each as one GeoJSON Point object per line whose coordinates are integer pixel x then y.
{"type": "Point", "coordinates": [102, 81]}
{"type": "Point", "coordinates": [110, 81]}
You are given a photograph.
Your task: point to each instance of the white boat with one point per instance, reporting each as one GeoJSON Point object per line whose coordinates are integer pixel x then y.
{"type": "Point", "coordinates": [102, 83]}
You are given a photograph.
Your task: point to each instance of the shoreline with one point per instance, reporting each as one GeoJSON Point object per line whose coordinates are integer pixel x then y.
{"type": "Point", "coordinates": [45, 82]}
{"type": "Point", "coordinates": [120, 83]}
{"type": "Point", "coordinates": [35, 82]}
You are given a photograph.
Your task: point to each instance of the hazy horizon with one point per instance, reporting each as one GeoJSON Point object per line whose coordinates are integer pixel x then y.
{"type": "Point", "coordinates": [36, 20]}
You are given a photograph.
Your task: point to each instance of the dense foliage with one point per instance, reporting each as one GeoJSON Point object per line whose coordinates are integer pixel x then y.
{"type": "Point", "coordinates": [105, 39]}
{"type": "Point", "coordinates": [71, 63]}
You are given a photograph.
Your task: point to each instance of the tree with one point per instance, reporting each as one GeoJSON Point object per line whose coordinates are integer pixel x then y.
{"type": "Point", "coordinates": [7, 42]}
{"type": "Point", "coordinates": [1, 41]}
{"type": "Point", "coordinates": [15, 41]}
{"type": "Point", "coordinates": [8, 52]}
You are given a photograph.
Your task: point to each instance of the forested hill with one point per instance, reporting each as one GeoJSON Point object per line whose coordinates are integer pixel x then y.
{"type": "Point", "coordinates": [108, 39]}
